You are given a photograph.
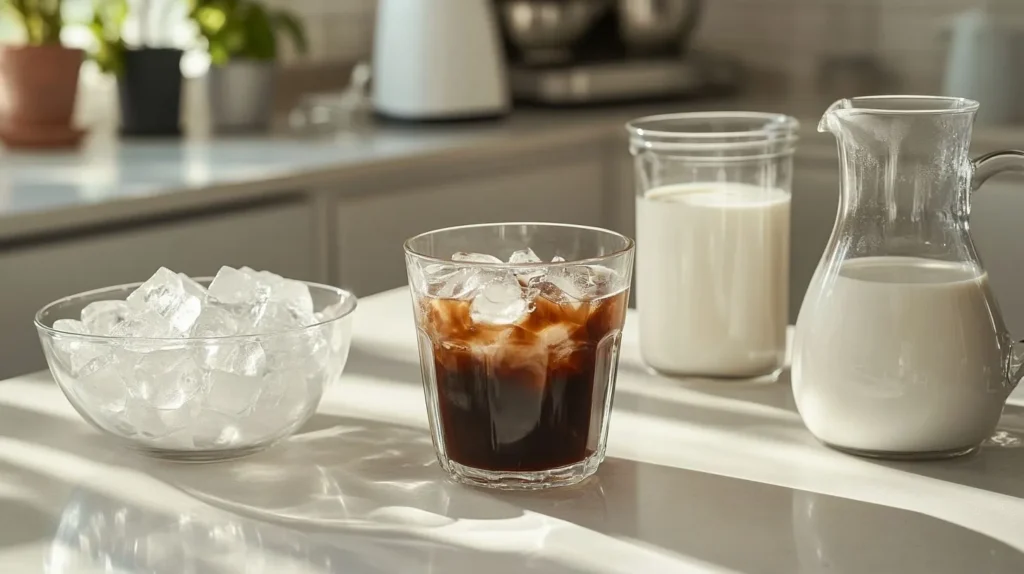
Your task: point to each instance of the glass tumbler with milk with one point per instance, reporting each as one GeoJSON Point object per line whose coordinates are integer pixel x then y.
{"type": "Point", "coordinates": [712, 276]}
{"type": "Point", "coordinates": [900, 349]}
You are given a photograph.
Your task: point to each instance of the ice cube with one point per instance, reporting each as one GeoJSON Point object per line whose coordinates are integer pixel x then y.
{"type": "Point", "coordinates": [147, 324]}
{"type": "Point", "coordinates": [527, 277]}
{"type": "Point", "coordinates": [524, 256]}
{"type": "Point", "coordinates": [213, 430]}
{"type": "Point", "coordinates": [290, 307]}
{"type": "Point", "coordinates": [88, 358]}
{"type": "Point", "coordinates": [579, 283]}
{"type": "Point", "coordinates": [332, 311]}
{"type": "Point", "coordinates": [101, 317]}
{"type": "Point", "coordinates": [236, 287]}
{"type": "Point", "coordinates": [286, 392]}
{"type": "Point", "coordinates": [192, 287]}
{"type": "Point", "coordinates": [432, 277]}
{"type": "Point", "coordinates": [285, 400]}
{"type": "Point", "coordinates": [463, 284]}
{"type": "Point", "coordinates": [558, 340]}
{"type": "Point", "coordinates": [463, 257]}
{"type": "Point", "coordinates": [214, 322]}
{"type": "Point", "coordinates": [166, 379]}
{"type": "Point", "coordinates": [103, 387]}
{"type": "Point", "coordinates": [295, 294]}
{"type": "Point", "coordinates": [231, 393]}
{"type": "Point", "coordinates": [164, 294]}
{"type": "Point", "coordinates": [245, 358]}
{"type": "Point", "coordinates": [242, 294]}
{"type": "Point", "coordinates": [156, 426]}
{"type": "Point", "coordinates": [71, 353]}
{"type": "Point", "coordinates": [500, 302]}
{"type": "Point", "coordinates": [301, 349]}
{"type": "Point", "coordinates": [69, 326]}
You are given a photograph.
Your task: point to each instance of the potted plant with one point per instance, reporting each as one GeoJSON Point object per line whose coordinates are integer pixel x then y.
{"type": "Point", "coordinates": [148, 78]}
{"type": "Point", "coordinates": [38, 80]}
{"type": "Point", "coordinates": [242, 39]}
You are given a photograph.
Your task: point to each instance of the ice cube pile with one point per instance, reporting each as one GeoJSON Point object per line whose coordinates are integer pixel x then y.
{"type": "Point", "coordinates": [156, 383]}
{"type": "Point", "coordinates": [504, 294]}
{"type": "Point", "coordinates": [238, 302]}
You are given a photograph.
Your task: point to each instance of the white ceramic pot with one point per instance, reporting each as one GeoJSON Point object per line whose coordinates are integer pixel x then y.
{"type": "Point", "coordinates": [241, 96]}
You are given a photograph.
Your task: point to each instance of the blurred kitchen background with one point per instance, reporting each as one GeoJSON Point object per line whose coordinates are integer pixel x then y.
{"type": "Point", "coordinates": [320, 138]}
{"type": "Point", "coordinates": [898, 45]}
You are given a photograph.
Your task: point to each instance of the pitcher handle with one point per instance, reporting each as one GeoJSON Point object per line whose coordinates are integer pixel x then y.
{"type": "Point", "coordinates": [984, 167]}
{"type": "Point", "coordinates": [993, 163]}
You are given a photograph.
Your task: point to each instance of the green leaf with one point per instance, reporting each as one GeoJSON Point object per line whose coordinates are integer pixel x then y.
{"type": "Point", "coordinates": [261, 43]}
{"type": "Point", "coordinates": [244, 28]}
{"type": "Point", "coordinates": [218, 55]}
{"type": "Point", "coordinates": [288, 23]}
{"type": "Point", "coordinates": [108, 20]}
{"type": "Point", "coordinates": [211, 19]}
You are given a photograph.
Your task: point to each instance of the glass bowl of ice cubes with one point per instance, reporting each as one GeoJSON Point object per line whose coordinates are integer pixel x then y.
{"type": "Point", "coordinates": [199, 369]}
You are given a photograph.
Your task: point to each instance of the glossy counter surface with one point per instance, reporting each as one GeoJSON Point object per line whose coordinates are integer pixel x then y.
{"type": "Point", "coordinates": [700, 477]}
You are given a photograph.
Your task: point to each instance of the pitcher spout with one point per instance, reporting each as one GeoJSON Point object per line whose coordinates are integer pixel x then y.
{"type": "Point", "coordinates": [828, 120]}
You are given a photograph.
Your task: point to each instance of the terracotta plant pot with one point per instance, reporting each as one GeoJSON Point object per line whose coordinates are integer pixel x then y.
{"type": "Point", "coordinates": [38, 88]}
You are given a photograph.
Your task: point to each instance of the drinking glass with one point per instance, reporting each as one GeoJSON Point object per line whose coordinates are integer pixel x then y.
{"type": "Point", "coordinates": [519, 326]}
{"type": "Point", "coordinates": [713, 197]}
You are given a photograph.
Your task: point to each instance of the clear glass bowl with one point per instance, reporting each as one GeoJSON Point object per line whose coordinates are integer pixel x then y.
{"type": "Point", "coordinates": [198, 399]}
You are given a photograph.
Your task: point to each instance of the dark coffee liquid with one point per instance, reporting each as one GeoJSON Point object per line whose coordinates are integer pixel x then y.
{"type": "Point", "coordinates": [525, 397]}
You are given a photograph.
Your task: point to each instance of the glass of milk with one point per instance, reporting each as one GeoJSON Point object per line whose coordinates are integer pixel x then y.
{"type": "Point", "coordinates": [712, 276]}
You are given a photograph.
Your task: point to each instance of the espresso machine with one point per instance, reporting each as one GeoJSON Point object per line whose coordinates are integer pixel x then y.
{"type": "Point", "coordinates": [579, 52]}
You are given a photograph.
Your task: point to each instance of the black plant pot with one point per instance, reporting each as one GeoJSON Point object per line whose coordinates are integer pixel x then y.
{"type": "Point", "coordinates": [150, 91]}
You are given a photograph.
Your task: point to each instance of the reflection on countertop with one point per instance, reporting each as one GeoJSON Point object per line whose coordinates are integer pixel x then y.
{"type": "Point", "coordinates": [338, 500]}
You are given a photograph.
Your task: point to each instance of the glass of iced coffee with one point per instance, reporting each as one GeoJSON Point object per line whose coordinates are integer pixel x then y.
{"type": "Point", "coordinates": [519, 327]}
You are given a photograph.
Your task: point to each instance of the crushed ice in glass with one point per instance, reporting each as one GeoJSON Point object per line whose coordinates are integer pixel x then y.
{"type": "Point", "coordinates": [197, 394]}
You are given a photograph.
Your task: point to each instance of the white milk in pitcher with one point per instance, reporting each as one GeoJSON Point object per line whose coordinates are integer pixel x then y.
{"type": "Point", "coordinates": [713, 278]}
{"type": "Point", "coordinates": [902, 354]}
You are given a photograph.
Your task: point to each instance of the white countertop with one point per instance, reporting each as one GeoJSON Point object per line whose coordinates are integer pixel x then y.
{"type": "Point", "coordinates": [112, 180]}
{"type": "Point", "coordinates": [701, 477]}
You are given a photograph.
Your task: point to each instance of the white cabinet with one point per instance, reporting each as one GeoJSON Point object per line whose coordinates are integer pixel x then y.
{"type": "Point", "coordinates": [277, 237]}
{"type": "Point", "coordinates": [370, 229]}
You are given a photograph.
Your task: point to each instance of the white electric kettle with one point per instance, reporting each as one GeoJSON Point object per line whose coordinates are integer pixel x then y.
{"type": "Point", "coordinates": [438, 60]}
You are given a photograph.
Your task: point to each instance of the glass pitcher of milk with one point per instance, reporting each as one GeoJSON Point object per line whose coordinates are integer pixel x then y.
{"type": "Point", "coordinates": [900, 349]}
{"type": "Point", "coordinates": [712, 230]}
